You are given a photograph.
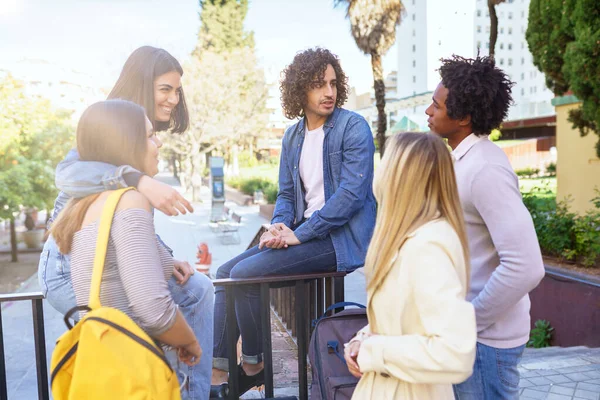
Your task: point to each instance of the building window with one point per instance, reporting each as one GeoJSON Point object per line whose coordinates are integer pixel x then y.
{"type": "Point", "coordinates": [479, 13]}
{"type": "Point", "coordinates": [522, 60]}
{"type": "Point", "coordinates": [415, 49]}
{"type": "Point", "coordinates": [502, 14]}
{"type": "Point", "coordinates": [510, 61]}
{"type": "Point", "coordinates": [522, 91]}
{"type": "Point", "coordinates": [487, 45]}
{"type": "Point", "coordinates": [478, 28]}
{"type": "Point", "coordinates": [522, 45]}
{"type": "Point", "coordinates": [502, 61]}
{"type": "Point", "coordinates": [510, 46]}
{"type": "Point", "coordinates": [478, 44]}
{"type": "Point", "coordinates": [501, 46]}
{"type": "Point", "coordinates": [510, 31]}
{"type": "Point", "coordinates": [414, 63]}
{"type": "Point", "coordinates": [510, 15]}
{"type": "Point", "coordinates": [522, 75]}
{"type": "Point", "coordinates": [414, 33]}
{"type": "Point", "coordinates": [501, 31]}
{"type": "Point", "coordinates": [413, 2]}
{"type": "Point", "coordinates": [522, 14]}
{"type": "Point", "coordinates": [414, 79]}
{"type": "Point", "coordinates": [414, 17]}
{"type": "Point", "coordinates": [487, 29]}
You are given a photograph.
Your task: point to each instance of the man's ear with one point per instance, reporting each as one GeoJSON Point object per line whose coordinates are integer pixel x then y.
{"type": "Point", "coordinates": [466, 121]}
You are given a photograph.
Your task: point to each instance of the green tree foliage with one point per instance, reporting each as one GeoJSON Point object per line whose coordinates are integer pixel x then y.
{"type": "Point", "coordinates": [564, 38]}
{"type": "Point", "coordinates": [373, 25]}
{"type": "Point", "coordinates": [225, 90]}
{"type": "Point", "coordinates": [222, 26]}
{"type": "Point", "coordinates": [34, 138]}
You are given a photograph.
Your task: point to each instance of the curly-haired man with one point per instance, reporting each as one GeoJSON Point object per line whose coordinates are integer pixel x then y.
{"type": "Point", "coordinates": [325, 210]}
{"type": "Point", "coordinates": [506, 263]}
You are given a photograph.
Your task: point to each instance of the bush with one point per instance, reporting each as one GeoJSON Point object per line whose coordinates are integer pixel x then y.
{"type": "Point", "coordinates": [271, 193]}
{"type": "Point", "coordinates": [527, 172]}
{"type": "Point", "coordinates": [562, 233]}
{"type": "Point", "coordinates": [251, 185]}
{"type": "Point", "coordinates": [551, 169]}
{"type": "Point", "coordinates": [246, 159]}
{"type": "Point", "coordinates": [540, 335]}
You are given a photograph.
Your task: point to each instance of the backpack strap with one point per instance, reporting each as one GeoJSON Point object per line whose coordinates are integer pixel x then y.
{"type": "Point", "coordinates": [102, 244]}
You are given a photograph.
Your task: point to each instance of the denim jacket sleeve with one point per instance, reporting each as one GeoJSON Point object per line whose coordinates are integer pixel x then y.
{"type": "Point", "coordinates": [81, 178]}
{"type": "Point", "coordinates": [355, 183]}
{"type": "Point", "coordinates": [285, 206]}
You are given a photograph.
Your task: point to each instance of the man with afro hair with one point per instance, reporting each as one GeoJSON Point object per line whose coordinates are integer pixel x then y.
{"type": "Point", "coordinates": [506, 263]}
{"type": "Point", "coordinates": [325, 211]}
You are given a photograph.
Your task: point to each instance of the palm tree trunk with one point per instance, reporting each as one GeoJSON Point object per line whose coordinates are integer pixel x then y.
{"type": "Point", "coordinates": [493, 27]}
{"type": "Point", "coordinates": [379, 87]}
{"type": "Point", "coordinates": [13, 241]}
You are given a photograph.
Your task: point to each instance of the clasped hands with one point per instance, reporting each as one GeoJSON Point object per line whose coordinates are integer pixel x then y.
{"type": "Point", "coordinates": [278, 236]}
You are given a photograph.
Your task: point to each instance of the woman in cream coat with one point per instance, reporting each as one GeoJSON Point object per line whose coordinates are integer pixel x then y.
{"type": "Point", "coordinates": [421, 335]}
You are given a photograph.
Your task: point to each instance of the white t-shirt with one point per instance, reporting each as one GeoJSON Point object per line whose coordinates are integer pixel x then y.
{"type": "Point", "coordinates": [311, 170]}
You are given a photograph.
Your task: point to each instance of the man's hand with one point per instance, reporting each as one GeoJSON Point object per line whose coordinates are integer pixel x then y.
{"type": "Point", "coordinates": [271, 241]}
{"type": "Point", "coordinates": [182, 270]}
{"type": "Point", "coordinates": [350, 355]}
{"type": "Point", "coordinates": [287, 235]}
{"type": "Point", "coordinates": [163, 197]}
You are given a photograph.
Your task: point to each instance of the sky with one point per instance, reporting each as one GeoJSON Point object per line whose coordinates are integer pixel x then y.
{"type": "Point", "coordinates": [95, 37]}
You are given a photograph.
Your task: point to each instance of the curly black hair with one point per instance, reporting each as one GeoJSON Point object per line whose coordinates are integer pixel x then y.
{"type": "Point", "coordinates": [306, 72]}
{"type": "Point", "coordinates": [476, 87]}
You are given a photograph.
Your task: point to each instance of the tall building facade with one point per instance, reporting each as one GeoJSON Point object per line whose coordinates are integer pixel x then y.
{"type": "Point", "coordinates": [432, 29]}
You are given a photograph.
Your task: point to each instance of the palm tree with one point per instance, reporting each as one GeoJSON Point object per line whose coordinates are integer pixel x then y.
{"type": "Point", "coordinates": [373, 25]}
{"type": "Point", "coordinates": [493, 25]}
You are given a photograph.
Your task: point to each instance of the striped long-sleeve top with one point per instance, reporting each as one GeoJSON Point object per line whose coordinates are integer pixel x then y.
{"type": "Point", "coordinates": [136, 270]}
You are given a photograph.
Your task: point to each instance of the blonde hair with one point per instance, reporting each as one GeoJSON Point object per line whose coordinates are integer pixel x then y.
{"type": "Point", "coordinates": [413, 185]}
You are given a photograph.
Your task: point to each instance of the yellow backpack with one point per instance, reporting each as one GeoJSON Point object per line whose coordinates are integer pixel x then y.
{"type": "Point", "coordinates": [106, 355]}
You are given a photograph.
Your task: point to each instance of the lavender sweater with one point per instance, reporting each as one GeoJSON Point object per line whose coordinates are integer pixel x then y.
{"type": "Point", "coordinates": [506, 261]}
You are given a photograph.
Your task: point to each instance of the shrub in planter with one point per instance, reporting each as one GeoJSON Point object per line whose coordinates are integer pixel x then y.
{"type": "Point", "coordinates": [271, 193]}
{"type": "Point", "coordinates": [527, 172]}
{"type": "Point", "coordinates": [249, 186]}
{"type": "Point", "coordinates": [551, 169]}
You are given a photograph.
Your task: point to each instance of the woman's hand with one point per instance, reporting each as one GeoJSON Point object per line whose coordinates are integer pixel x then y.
{"type": "Point", "coordinates": [182, 270]}
{"type": "Point", "coordinates": [190, 354]}
{"type": "Point", "coordinates": [163, 197]}
{"type": "Point", "coordinates": [350, 355]}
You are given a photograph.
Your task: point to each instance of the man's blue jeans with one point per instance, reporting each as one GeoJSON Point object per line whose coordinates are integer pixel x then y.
{"type": "Point", "coordinates": [313, 256]}
{"type": "Point", "coordinates": [495, 375]}
{"type": "Point", "coordinates": [195, 300]}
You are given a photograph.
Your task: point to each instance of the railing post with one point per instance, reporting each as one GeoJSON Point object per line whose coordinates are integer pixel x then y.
{"type": "Point", "coordinates": [300, 323]}
{"type": "Point", "coordinates": [338, 292]}
{"type": "Point", "coordinates": [267, 345]}
{"type": "Point", "coordinates": [40, 349]}
{"type": "Point", "coordinates": [232, 342]}
{"type": "Point", "coordinates": [3, 389]}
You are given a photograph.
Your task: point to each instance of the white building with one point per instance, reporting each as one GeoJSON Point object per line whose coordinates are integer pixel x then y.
{"type": "Point", "coordinates": [432, 29]}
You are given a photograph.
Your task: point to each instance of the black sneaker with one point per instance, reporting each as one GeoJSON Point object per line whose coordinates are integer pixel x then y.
{"type": "Point", "coordinates": [247, 382]}
{"type": "Point", "coordinates": [219, 391]}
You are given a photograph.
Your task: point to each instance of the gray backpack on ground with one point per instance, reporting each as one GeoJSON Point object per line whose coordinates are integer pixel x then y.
{"type": "Point", "coordinates": [331, 379]}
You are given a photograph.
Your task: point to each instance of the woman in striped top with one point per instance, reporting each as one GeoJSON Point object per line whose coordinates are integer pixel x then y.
{"type": "Point", "coordinates": [137, 267]}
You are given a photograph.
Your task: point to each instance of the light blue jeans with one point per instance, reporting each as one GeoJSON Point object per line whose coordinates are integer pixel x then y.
{"type": "Point", "coordinates": [195, 300]}
{"type": "Point", "coordinates": [495, 375]}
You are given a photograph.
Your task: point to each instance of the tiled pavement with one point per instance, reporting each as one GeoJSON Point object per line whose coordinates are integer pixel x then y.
{"type": "Point", "coordinates": [560, 373]}
{"type": "Point", "coordinates": [553, 373]}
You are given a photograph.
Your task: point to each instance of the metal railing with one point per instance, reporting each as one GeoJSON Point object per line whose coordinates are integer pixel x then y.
{"type": "Point", "coordinates": [40, 343]}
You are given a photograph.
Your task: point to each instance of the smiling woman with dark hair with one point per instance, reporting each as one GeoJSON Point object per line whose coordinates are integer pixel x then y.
{"type": "Point", "coordinates": [151, 78]}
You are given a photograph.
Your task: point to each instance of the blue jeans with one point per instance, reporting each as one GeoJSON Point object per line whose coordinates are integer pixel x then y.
{"type": "Point", "coordinates": [313, 256]}
{"type": "Point", "coordinates": [195, 300]}
{"type": "Point", "coordinates": [495, 375]}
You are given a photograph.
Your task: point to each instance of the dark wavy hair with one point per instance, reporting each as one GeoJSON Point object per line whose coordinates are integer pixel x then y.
{"type": "Point", "coordinates": [136, 83]}
{"type": "Point", "coordinates": [476, 87]}
{"type": "Point", "coordinates": [305, 73]}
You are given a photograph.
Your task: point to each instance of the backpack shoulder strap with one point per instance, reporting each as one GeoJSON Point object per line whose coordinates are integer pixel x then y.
{"type": "Point", "coordinates": [102, 244]}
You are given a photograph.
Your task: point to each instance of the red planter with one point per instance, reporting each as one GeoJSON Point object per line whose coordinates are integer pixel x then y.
{"type": "Point", "coordinates": [570, 301]}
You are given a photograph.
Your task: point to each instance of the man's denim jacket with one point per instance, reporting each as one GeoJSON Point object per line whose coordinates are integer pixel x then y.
{"type": "Point", "coordinates": [349, 211]}
{"type": "Point", "coordinates": [76, 178]}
